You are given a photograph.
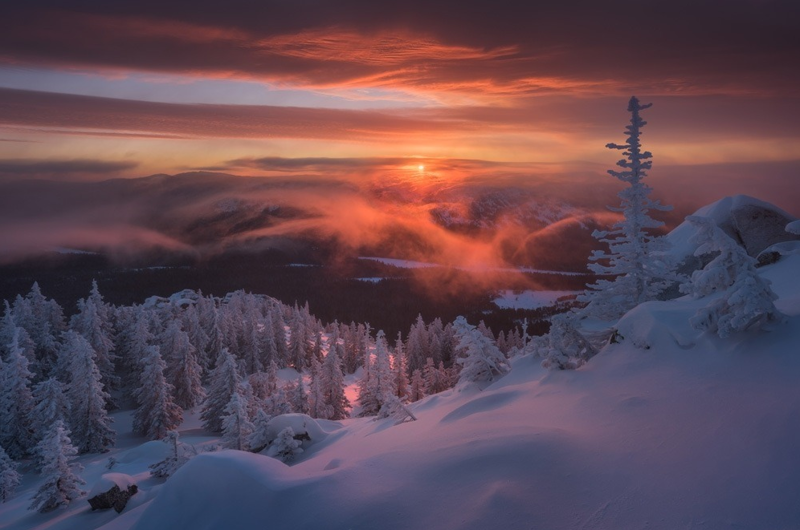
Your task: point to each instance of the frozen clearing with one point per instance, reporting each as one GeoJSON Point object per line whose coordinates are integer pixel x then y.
{"type": "Point", "coordinates": [509, 299]}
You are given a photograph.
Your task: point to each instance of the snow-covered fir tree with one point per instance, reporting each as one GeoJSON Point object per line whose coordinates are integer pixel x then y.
{"type": "Point", "coordinates": [236, 425]}
{"type": "Point", "coordinates": [481, 361]}
{"type": "Point", "coordinates": [62, 484]}
{"type": "Point", "coordinates": [16, 402]}
{"type": "Point", "coordinates": [636, 257]}
{"type": "Point", "coordinates": [332, 385]}
{"type": "Point", "coordinates": [183, 371]}
{"type": "Point", "coordinates": [564, 347]}
{"type": "Point", "coordinates": [298, 397]}
{"type": "Point", "coordinates": [260, 437]}
{"type": "Point", "coordinates": [417, 388]}
{"type": "Point", "coordinates": [746, 300]}
{"type": "Point", "coordinates": [284, 447]}
{"type": "Point", "coordinates": [89, 420]}
{"type": "Point", "coordinates": [92, 323]}
{"type": "Point", "coordinates": [50, 406]}
{"type": "Point", "coordinates": [134, 339]}
{"type": "Point", "coordinates": [377, 383]}
{"type": "Point", "coordinates": [43, 321]}
{"type": "Point", "coordinates": [400, 368]}
{"type": "Point", "coordinates": [224, 382]}
{"type": "Point", "coordinates": [9, 476]}
{"type": "Point", "coordinates": [157, 412]}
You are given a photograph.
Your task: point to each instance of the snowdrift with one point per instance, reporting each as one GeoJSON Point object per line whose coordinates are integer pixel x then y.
{"type": "Point", "coordinates": [669, 428]}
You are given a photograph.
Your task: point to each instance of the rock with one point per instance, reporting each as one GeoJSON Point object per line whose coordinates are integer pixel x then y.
{"type": "Point", "coordinates": [113, 498]}
{"type": "Point", "coordinates": [112, 491]}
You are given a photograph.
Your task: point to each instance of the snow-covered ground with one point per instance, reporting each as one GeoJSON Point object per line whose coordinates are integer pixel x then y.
{"type": "Point", "coordinates": [509, 299]}
{"type": "Point", "coordinates": [670, 428]}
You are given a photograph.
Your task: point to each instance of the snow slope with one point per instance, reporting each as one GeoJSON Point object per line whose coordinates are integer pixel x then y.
{"type": "Point", "coordinates": [667, 429]}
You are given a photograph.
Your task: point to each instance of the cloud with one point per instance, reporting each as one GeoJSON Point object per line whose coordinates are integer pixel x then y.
{"type": "Point", "coordinates": [470, 48]}
{"type": "Point", "coordinates": [57, 169]}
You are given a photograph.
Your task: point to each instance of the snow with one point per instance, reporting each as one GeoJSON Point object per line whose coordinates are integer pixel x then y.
{"type": "Point", "coordinates": [374, 279]}
{"type": "Point", "coordinates": [509, 299]}
{"type": "Point", "coordinates": [410, 264]}
{"type": "Point", "coordinates": [670, 428]}
{"type": "Point", "coordinates": [794, 227]}
{"type": "Point", "coordinates": [402, 263]}
{"type": "Point", "coordinates": [108, 481]}
{"type": "Point", "coordinates": [722, 214]}
{"type": "Point", "coordinates": [667, 428]}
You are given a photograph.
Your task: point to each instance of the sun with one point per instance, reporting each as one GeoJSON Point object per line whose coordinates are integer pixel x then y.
{"type": "Point", "coordinates": [421, 167]}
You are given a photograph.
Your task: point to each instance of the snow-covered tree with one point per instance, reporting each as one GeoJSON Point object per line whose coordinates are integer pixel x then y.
{"type": "Point", "coordinates": [224, 382]}
{"type": "Point", "coordinates": [332, 386]}
{"type": "Point", "coordinates": [16, 402]}
{"type": "Point", "coordinates": [298, 397]}
{"type": "Point", "coordinates": [482, 361]}
{"type": "Point", "coordinates": [92, 323]}
{"type": "Point", "coordinates": [43, 320]}
{"type": "Point", "coordinates": [284, 447]}
{"type": "Point", "coordinates": [400, 367]}
{"type": "Point", "coordinates": [134, 339]}
{"type": "Point", "coordinates": [157, 413]}
{"type": "Point", "coordinates": [746, 299]}
{"type": "Point", "coordinates": [61, 485]}
{"type": "Point", "coordinates": [377, 383]}
{"type": "Point", "coordinates": [9, 476]}
{"type": "Point", "coordinates": [563, 347]}
{"type": "Point", "coordinates": [436, 378]}
{"type": "Point", "coordinates": [236, 425]}
{"type": "Point", "coordinates": [417, 391]}
{"type": "Point", "coordinates": [179, 454]}
{"type": "Point", "coordinates": [183, 371]}
{"type": "Point", "coordinates": [636, 258]}
{"type": "Point", "coordinates": [50, 406]}
{"type": "Point", "coordinates": [89, 421]}
{"type": "Point", "coordinates": [260, 437]}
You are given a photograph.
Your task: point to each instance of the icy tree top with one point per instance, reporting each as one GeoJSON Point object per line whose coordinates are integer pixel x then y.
{"type": "Point", "coordinates": [635, 162]}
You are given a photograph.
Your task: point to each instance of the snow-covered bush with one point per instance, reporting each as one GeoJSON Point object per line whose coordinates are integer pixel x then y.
{"type": "Point", "coordinates": [180, 453]}
{"type": "Point", "coordinates": [285, 448]}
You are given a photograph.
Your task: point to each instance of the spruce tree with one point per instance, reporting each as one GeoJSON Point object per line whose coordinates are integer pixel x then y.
{"type": "Point", "coordinates": [332, 386]}
{"type": "Point", "coordinates": [9, 476]}
{"type": "Point", "coordinates": [182, 371]}
{"type": "Point", "coordinates": [89, 421]}
{"type": "Point", "coordinates": [157, 413]}
{"type": "Point", "coordinates": [236, 425]}
{"type": "Point", "coordinates": [482, 361]}
{"type": "Point", "coordinates": [92, 323]}
{"type": "Point", "coordinates": [636, 258]}
{"type": "Point", "coordinates": [61, 485]}
{"type": "Point", "coordinates": [260, 437]}
{"type": "Point", "coordinates": [50, 406]}
{"type": "Point", "coordinates": [16, 402]}
{"type": "Point", "coordinates": [284, 447]}
{"type": "Point", "coordinates": [224, 382]}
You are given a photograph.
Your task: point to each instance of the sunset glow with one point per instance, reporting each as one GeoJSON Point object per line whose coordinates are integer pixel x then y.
{"type": "Point", "coordinates": [361, 92]}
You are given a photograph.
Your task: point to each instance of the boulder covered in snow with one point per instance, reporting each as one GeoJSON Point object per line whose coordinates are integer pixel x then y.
{"type": "Point", "coordinates": [305, 428]}
{"type": "Point", "coordinates": [754, 224]}
{"type": "Point", "coordinates": [112, 491]}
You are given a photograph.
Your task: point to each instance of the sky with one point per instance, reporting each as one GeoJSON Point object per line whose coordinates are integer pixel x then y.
{"type": "Point", "coordinates": [444, 91]}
